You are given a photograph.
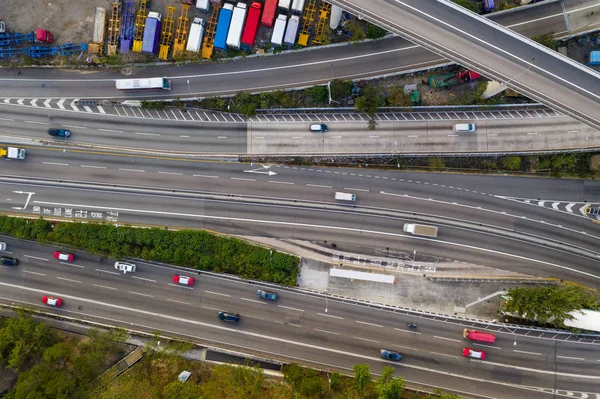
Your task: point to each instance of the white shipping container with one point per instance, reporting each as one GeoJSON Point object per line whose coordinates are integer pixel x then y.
{"type": "Point", "coordinates": [99, 24]}
{"type": "Point", "coordinates": [298, 6]}
{"type": "Point", "coordinates": [292, 30]}
{"type": "Point", "coordinates": [238, 20]}
{"type": "Point", "coordinates": [194, 42]}
{"type": "Point", "coordinates": [285, 4]}
{"type": "Point", "coordinates": [279, 30]}
{"type": "Point", "coordinates": [202, 5]}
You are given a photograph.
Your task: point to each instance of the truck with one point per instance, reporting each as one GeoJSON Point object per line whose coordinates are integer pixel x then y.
{"type": "Point", "coordinates": [223, 26]}
{"type": "Point", "coordinates": [269, 11]}
{"type": "Point", "coordinates": [251, 27]}
{"type": "Point", "coordinates": [194, 42]}
{"type": "Point", "coordinates": [151, 33]}
{"type": "Point", "coordinates": [43, 36]}
{"type": "Point", "coordinates": [345, 196]}
{"type": "Point", "coordinates": [421, 230]}
{"type": "Point", "coordinates": [479, 336]}
{"type": "Point", "coordinates": [285, 4]}
{"type": "Point", "coordinates": [237, 25]}
{"type": "Point", "coordinates": [451, 79]}
{"type": "Point", "coordinates": [292, 30]}
{"type": "Point", "coordinates": [12, 153]}
{"type": "Point", "coordinates": [279, 30]}
{"type": "Point", "coordinates": [125, 267]}
{"type": "Point", "coordinates": [298, 6]}
{"type": "Point", "coordinates": [202, 5]}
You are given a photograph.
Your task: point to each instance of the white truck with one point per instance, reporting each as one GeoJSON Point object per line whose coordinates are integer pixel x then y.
{"type": "Point", "coordinates": [345, 196]}
{"type": "Point", "coordinates": [279, 30]}
{"type": "Point", "coordinates": [298, 6]}
{"type": "Point", "coordinates": [421, 230]}
{"type": "Point", "coordinates": [285, 4]}
{"type": "Point", "coordinates": [12, 153]}
{"type": "Point", "coordinates": [194, 42]}
{"type": "Point", "coordinates": [238, 19]}
{"type": "Point", "coordinates": [292, 30]}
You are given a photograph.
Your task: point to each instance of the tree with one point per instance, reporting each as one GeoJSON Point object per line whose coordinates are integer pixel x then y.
{"type": "Point", "coordinates": [340, 89]}
{"type": "Point", "coordinates": [335, 381]}
{"type": "Point", "coordinates": [362, 376]}
{"type": "Point", "coordinates": [397, 97]}
{"type": "Point", "coordinates": [316, 95]}
{"type": "Point", "coordinates": [368, 101]}
{"type": "Point", "coordinates": [356, 32]}
{"type": "Point", "coordinates": [372, 125]}
{"type": "Point", "coordinates": [512, 163]}
{"type": "Point", "coordinates": [388, 387]}
{"type": "Point", "coordinates": [375, 32]}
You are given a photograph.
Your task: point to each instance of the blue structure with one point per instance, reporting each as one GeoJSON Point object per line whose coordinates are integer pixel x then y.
{"type": "Point", "coordinates": [6, 52]}
{"type": "Point", "coordinates": [223, 27]}
{"type": "Point", "coordinates": [63, 49]}
{"type": "Point", "coordinates": [127, 28]}
{"type": "Point", "coordinates": [8, 39]}
{"type": "Point", "coordinates": [594, 58]}
{"type": "Point", "coordinates": [151, 34]}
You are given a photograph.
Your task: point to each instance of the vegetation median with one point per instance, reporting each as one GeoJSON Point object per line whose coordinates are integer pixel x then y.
{"type": "Point", "coordinates": [190, 248]}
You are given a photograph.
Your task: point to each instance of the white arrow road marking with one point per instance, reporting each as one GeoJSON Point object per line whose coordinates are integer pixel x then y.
{"type": "Point", "coordinates": [555, 205]}
{"type": "Point", "coordinates": [262, 171]}
{"type": "Point", "coordinates": [47, 103]}
{"type": "Point", "coordinates": [568, 207]}
{"type": "Point", "coordinates": [26, 202]}
{"type": "Point", "coordinates": [541, 203]}
{"type": "Point", "coordinates": [34, 102]}
{"type": "Point", "coordinates": [7, 100]}
{"type": "Point", "coordinates": [60, 103]}
{"type": "Point", "coordinates": [73, 104]}
{"type": "Point", "coordinates": [582, 210]}
{"type": "Point", "coordinates": [20, 101]}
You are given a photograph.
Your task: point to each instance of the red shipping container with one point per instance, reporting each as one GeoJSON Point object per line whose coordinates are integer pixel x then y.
{"type": "Point", "coordinates": [249, 34]}
{"type": "Point", "coordinates": [269, 13]}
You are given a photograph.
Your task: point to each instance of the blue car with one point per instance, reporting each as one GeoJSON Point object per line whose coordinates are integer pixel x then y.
{"type": "Point", "coordinates": [230, 317]}
{"type": "Point", "coordinates": [59, 132]}
{"type": "Point", "coordinates": [267, 295]}
{"type": "Point", "coordinates": [390, 355]}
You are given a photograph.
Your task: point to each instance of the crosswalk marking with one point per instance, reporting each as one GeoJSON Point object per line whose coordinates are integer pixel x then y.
{"type": "Point", "coordinates": [101, 110]}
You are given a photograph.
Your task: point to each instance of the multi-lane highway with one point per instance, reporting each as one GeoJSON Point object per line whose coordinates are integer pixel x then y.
{"type": "Point", "coordinates": [299, 326]}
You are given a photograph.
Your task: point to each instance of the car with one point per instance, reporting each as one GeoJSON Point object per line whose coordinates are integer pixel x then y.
{"type": "Point", "coordinates": [230, 317]}
{"type": "Point", "coordinates": [390, 355]}
{"type": "Point", "coordinates": [125, 267]}
{"type": "Point", "coordinates": [9, 261]}
{"type": "Point", "coordinates": [2, 246]}
{"type": "Point", "coordinates": [59, 132]}
{"type": "Point", "coordinates": [468, 352]}
{"type": "Point", "coordinates": [63, 256]}
{"type": "Point", "coordinates": [267, 295]}
{"type": "Point", "coordinates": [48, 300]}
{"type": "Point", "coordinates": [184, 280]}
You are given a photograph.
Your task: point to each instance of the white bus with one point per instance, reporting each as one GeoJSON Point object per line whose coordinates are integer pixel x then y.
{"type": "Point", "coordinates": [148, 84]}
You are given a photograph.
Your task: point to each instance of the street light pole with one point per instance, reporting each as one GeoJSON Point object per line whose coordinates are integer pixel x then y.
{"type": "Point", "coordinates": [326, 303]}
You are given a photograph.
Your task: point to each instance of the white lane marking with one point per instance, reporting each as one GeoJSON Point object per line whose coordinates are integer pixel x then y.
{"type": "Point", "coordinates": [72, 264]}
{"type": "Point", "coordinates": [355, 189]}
{"type": "Point", "coordinates": [39, 274]}
{"type": "Point", "coordinates": [221, 137]}
{"type": "Point", "coordinates": [56, 163]}
{"type": "Point", "coordinates": [132, 170]}
{"type": "Point", "coordinates": [181, 286]}
{"type": "Point", "coordinates": [35, 257]}
{"type": "Point", "coordinates": [218, 293]}
{"type": "Point", "coordinates": [368, 324]}
{"type": "Point", "coordinates": [254, 317]}
{"type": "Point", "coordinates": [572, 131]}
{"type": "Point", "coordinates": [144, 279]}
{"type": "Point", "coordinates": [280, 182]}
{"type": "Point", "coordinates": [453, 135]}
{"type": "Point", "coordinates": [253, 300]}
{"type": "Point", "coordinates": [107, 271]}
{"type": "Point", "coordinates": [325, 331]}
{"type": "Point", "coordinates": [75, 127]}
{"type": "Point", "coordinates": [407, 331]}
{"type": "Point", "coordinates": [241, 178]}
{"type": "Point", "coordinates": [297, 137]}
{"type": "Point", "coordinates": [259, 137]}
{"type": "Point", "coordinates": [413, 135]}
{"type": "Point", "coordinates": [103, 286]}
{"type": "Point", "coordinates": [406, 347]}
{"type": "Point", "coordinates": [207, 176]}
{"type": "Point", "coordinates": [209, 308]}
{"type": "Point", "coordinates": [37, 123]}
{"type": "Point", "coordinates": [335, 137]}
{"type": "Point", "coordinates": [93, 166]}
{"type": "Point", "coordinates": [447, 339]}
{"type": "Point", "coordinates": [531, 134]}
{"type": "Point", "coordinates": [147, 134]}
{"type": "Point", "coordinates": [570, 357]}
{"type": "Point", "coordinates": [366, 339]}
{"type": "Point", "coordinates": [183, 136]}
{"type": "Point", "coordinates": [170, 173]}
{"type": "Point", "coordinates": [486, 346]}
{"type": "Point", "coordinates": [443, 354]}
{"type": "Point", "coordinates": [111, 131]}
{"type": "Point", "coordinates": [181, 302]}
{"type": "Point", "coordinates": [7, 119]}
{"type": "Point", "coordinates": [373, 137]}
{"type": "Point", "coordinates": [318, 185]}
{"type": "Point", "coordinates": [290, 308]}
{"type": "Point", "coordinates": [527, 353]}
{"type": "Point", "coordinates": [140, 294]}
{"type": "Point", "coordinates": [68, 279]}
{"type": "Point", "coordinates": [328, 315]}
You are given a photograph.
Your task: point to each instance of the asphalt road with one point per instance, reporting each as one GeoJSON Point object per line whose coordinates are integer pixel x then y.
{"type": "Point", "coordinates": [298, 327]}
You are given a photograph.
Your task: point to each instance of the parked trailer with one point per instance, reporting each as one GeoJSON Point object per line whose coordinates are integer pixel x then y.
{"type": "Point", "coordinates": [269, 11]}
{"type": "Point", "coordinates": [285, 4]}
{"type": "Point", "coordinates": [421, 230]}
{"type": "Point", "coordinates": [127, 27]}
{"type": "Point", "coordinates": [8, 39]}
{"type": "Point", "coordinates": [151, 33]}
{"type": "Point", "coordinates": [298, 6]}
{"type": "Point", "coordinates": [336, 16]}
{"type": "Point", "coordinates": [292, 30]}
{"type": "Point", "coordinates": [194, 42]}
{"type": "Point", "coordinates": [237, 25]}
{"type": "Point", "coordinates": [251, 27]}
{"type": "Point", "coordinates": [279, 30]}
{"type": "Point", "coordinates": [202, 5]}
{"type": "Point", "coordinates": [223, 26]}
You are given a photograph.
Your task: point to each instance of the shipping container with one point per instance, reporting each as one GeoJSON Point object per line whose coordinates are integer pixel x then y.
{"type": "Point", "coordinates": [298, 6]}
{"type": "Point", "coordinates": [237, 25]}
{"type": "Point", "coordinates": [202, 5]}
{"type": "Point", "coordinates": [269, 11]}
{"type": "Point", "coordinates": [292, 30]}
{"type": "Point", "coordinates": [99, 25]}
{"type": "Point", "coordinates": [279, 30]}
{"type": "Point", "coordinates": [151, 33]}
{"type": "Point", "coordinates": [223, 26]}
{"type": "Point", "coordinates": [336, 17]}
{"type": "Point", "coordinates": [194, 42]}
{"type": "Point", "coordinates": [249, 34]}
{"type": "Point", "coordinates": [285, 4]}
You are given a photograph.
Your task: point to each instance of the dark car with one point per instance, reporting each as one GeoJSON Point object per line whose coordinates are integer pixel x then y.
{"type": "Point", "coordinates": [390, 355]}
{"type": "Point", "coordinates": [59, 132]}
{"type": "Point", "coordinates": [230, 317]}
{"type": "Point", "coordinates": [9, 261]}
{"type": "Point", "coordinates": [267, 295]}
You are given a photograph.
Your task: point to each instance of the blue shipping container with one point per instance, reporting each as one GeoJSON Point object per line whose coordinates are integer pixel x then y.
{"type": "Point", "coordinates": [594, 58]}
{"type": "Point", "coordinates": [151, 34]}
{"type": "Point", "coordinates": [223, 26]}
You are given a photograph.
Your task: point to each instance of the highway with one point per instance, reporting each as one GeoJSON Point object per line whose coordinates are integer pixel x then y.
{"type": "Point", "coordinates": [298, 327]}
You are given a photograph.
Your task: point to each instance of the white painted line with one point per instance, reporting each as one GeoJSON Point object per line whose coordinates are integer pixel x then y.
{"type": "Point", "coordinates": [145, 279]}
{"type": "Point", "coordinates": [147, 134]}
{"type": "Point", "coordinates": [413, 135]}
{"type": "Point", "coordinates": [318, 185]}
{"type": "Point", "coordinates": [493, 134]}
{"type": "Point", "coordinates": [6, 119]}
{"type": "Point", "coordinates": [181, 286]}
{"type": "Point", "coordinates": [356, 189]}
{"type": "Point", "coordinates": [259, 137]}
{"type": "Point", "coordinates": [132, 170]}
{"type": "Point", "coordinates": [35, 257]}
{"type": "Point", "coordinates": [531, 134]}
{"type": "Point", "coordinates": [328, 315]}
{"type": "Point", "coordinates": [453, 135]}
{"type": "Point", "coordinates": [221, 137]}
{"type": "Point", "coordinates": [207, 176]}
{"type": "Point", "coordinates": [290, 308]}
{"type": "Point", "coordinates": [280, 182]}
{"type": "Point", "coordinates": [107, 271]}
{"type": "Point", "coordinates": [373, 137]}
{"type": "Point", "coordinates": [217, 293]}
{"type": "Point", "coordinates": [208, 307]}
{"type": "Point", "coordinates": [527, 353]}
{"type": "Point", "coordinates": [407, 347]}
{"type": "Point", "coordinates": [297, 137]}
{"type": "Point", "coordinates": [68, 279]}
{"type": "Point", "coordinates": [335, 137]}
{"type": "Point", "coordinates": [170, 173]}
{"type": "Point", "coordinates": [37, 123]}
{"type": "Point", "coordinates": [443, 354]}
{"type": "Point", "coordinates": [39, 274]}
{"type": "Point", "coordinates": [368, 324]}
{"type": "Point", "coordinates": [407, 331]}
{"type": "Point", "coordinates": [103, 286]}
{"type": "Point", "coordinates": [72, 264]}
{"type": "Point", "coordinates": [253, 300]}
{"type": "Point", "coordinates": [100, 109]}
{"type": "Point", "coordinates": [75, 127]}
{"type": "Point", "coordinates": [92, 166]}
{"type": "Point", "coordinates": [447, 339]}
{"type": "Point", "coordinates": [111, 131]}
{"type": "Point", "coordinates": [366, 339]}
{"type": "Point", "coordinates": [185, 137]}
{"type": "Point", "coordinates": [569, 357]}
{"type": "Point", "coordinates": [56, 163]}
{"type": "Point", "coordinates": [572, 131]}
{"type": "Point", "coordinates": [173, 300]}
{"type": "Point", "coordinates": [140, 294]}
{"type": "Point", "coordinates": [486, 346]}
{"type": "Point", "coordinates": [240, 178]}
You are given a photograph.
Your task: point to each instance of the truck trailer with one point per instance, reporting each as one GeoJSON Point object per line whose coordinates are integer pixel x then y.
{"type": "Point", "coordinates": [151, 33]}
{"type": "Point", "coordinates": [237, 25]}
{"type": "Point", "coordinates": [223, 26]}
{"type": "Point", "coordinates": [12, 153]}
{"type": "Point", "coordinates": [269, 11]}
{"type": "Point", "coordinates": [285, 4]}
{"type": "Point", "coordinates": [279, 30]}
{"type": "Point", "coordinates": [251, 27]}
{"type": "Point", "coordinates": [202, 5]}
{"type": "Point", "coordinates": [194, 42]}
{"type": "Point", "coordinates": [292, 30]}
{"type": "Point", "coordinates": [421, 230]}
{"type": "Point", "coordinates": [298, 6]}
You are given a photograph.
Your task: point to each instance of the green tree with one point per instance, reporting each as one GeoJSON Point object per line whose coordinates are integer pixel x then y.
{"type": "Point", "coordinates": [547, 40]}
{"type": "Point", "coordinates": [181, 390]}
{"type": "Point", "coordinates": [340, 89]}
{"type": "Point", "coordinates": [335, 382]}
{"type": "Point", "coordinates": [397, 98]}
{"type": "Point", "coordinates": [368, 101]}
{"type": "Point", "coordinates": [388, 387]}
{"type": "Point", "coordinates": [234, 383]}
{"type": "Point", "coordinates": [375, 32]}
{"type": "Point", "coordinates": [436, 163]}
{"type": "Point", "coordinates": [244, 104]}
{"type": "Point", "coordinates": [512, 163]}
{"type": "Point", "coordinates": [357, 33]}
{"type": "Point", "coordinates": [326, 36]}
{"type": "Point", "coordinates": [316, 95]}
{"type": "Point", "coordinates": [362, 377]}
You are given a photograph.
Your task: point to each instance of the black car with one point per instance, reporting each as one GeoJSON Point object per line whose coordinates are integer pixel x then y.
{"type": "Point", "coordinates": [9, 261]}
{"type": "Point", "coordinates": [59, 132]}
{"type": "Point", "coordinates": [230, 317]}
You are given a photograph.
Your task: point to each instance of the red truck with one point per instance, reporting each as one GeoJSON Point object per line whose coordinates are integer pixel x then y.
{"type": "Point", "coordinates": [43, 36]}
{"type": "Point", "coordinates": [479, 336]}
{"type": "Point", "coordinates": [251, 26]}
{"type": "Point", "coordinates": [269, 13]}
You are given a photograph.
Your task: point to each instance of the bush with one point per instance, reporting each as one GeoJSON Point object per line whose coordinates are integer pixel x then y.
{"type": "Point", "coordinates": [368, 101]}
{"type": "Point", "coordinates": [356, 31]}
{"type": "Point", "coordinates": [375, 32]}
{"type": "Point", "coordinates": [512, 163]}
{"type": "Point", "coordinates": [437, 163]}
{"type": "Point", "coordinates": [316, 95]}
{"type": "Point", "coordinates": [340, 88]}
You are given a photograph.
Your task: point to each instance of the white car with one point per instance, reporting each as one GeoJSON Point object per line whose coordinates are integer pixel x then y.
{"type": "Point", "coordinates": [125, 267]}
{"type": "Point", "coordinates": [2, 246]}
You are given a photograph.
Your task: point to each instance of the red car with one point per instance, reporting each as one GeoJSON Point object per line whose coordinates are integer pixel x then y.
{"type": "Point", "coordinates": [63, 256]}
{"type": "Point", "coordinates": [48, 300]}
{"type": "Point", "coordinates": [468, 352]}
{"type": "Point", "coordinates": [183, 280]}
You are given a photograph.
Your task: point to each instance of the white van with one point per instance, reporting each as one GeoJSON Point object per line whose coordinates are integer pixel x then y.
{"type": "Point", "coordinates": [464, 127]}
{"type": "Point", "coordinates": [318, 127]}
{"type": "Point", "coordinates": [2, 246]}
{"type": "Point", "coordinates": [202, 5]}
{"type": "Point", "coordinates": [345, 196]}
